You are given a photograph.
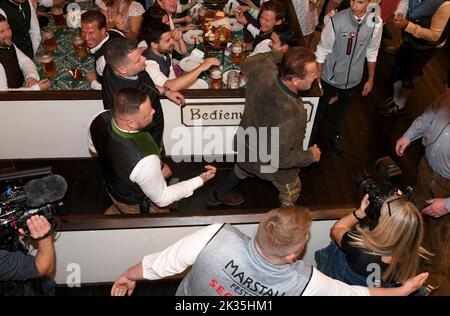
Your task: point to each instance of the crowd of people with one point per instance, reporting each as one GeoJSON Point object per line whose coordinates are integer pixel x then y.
{"type": "Point", "coordinates": [134, 45]}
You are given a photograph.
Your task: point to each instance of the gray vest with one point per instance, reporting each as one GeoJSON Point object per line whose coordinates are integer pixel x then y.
{"type": "Point", "coordinates": [344, 66]}
{"type": "Point", "coordinates": [229, 265]}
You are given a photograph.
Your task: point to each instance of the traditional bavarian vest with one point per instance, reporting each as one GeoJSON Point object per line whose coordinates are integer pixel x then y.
{"type": "Point", "coordinates": [9, 61]}
{"type": "Point", "coordinates": [113, 83]}
{"type": "Point", "coordinates": [118, 154]}
{"type": "Point", "coordinates": [164, 62]}
{"type": "Point", "coordinates": [19, 19]}
{"type": "Point", "coordinates": [101, 51]}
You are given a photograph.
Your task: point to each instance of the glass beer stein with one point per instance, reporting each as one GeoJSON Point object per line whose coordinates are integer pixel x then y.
{"type": "Point", "coordinates": [216, 77]}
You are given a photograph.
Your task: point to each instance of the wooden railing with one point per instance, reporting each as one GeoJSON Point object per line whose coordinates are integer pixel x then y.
{"type": "Point", "coordinates": [179, 219]}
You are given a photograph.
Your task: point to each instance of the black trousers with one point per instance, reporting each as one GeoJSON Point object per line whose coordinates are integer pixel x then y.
{"type": "Point", "coordinates": [338, 109]}
{"type": "Point", "coordinates": [409, 63]}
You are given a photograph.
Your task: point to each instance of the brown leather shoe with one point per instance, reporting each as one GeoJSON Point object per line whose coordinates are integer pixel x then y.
{"type": "Point", "coordinates": [230, 199]}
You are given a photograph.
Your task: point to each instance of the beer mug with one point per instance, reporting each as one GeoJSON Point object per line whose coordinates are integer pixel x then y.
{"type": "Point", "coordinates": [202, 14]}
{"type": "Point", "coordinates": [236, 52]}
{"type": "Point", "coordinates": [48, 66]}
{"type": "Point", "coordinates": [233, 79]}
{"type": "Point", "coordinates": [48, 40]}
{"type": "Point", "coordinates": [216, 77]}
{"type": "Point", "coordinates": [79, 45]}
{"type": "Point", "coordinates": [58, 17]}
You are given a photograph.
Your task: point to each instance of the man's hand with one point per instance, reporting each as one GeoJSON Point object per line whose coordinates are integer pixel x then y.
{"type": "Point", "coordinates": [367, 88]}
{"type": "Point", "coordinates": [44, 84]}
{"type": "Point", "coordinates": [413, 284]}
{"type": "Point", "coordinates": [208, 174]}
{"type": "Point", "coordinates": [176, 97]}
{"type": "Point", "coordinates": [38, 226]}
{"type": "Point", "coordinates": [402, 143]}
{"type": "Point", "coordinates": [189, 18]}
{"type": "Point", "coordinates": [315, 152]}
{"type": "Point", "coordinates": [91, 75]}
{"type": "Point", "coordinates": [240, 17]}
{"type": "Point", "coordinates": [204, 66]}
{"type": "Point", "coordinates": [166, 172]}
{"type": "Point", "coordinates": [243, 8]}
{"type": "Point", "coordinates": [29, 82]}
{"type": "Point", "coordinates": [400, 21]}
{"type": "Point", "coordinates": [177, 34]}
{"type": "Point", "coordinates": [436, 208]}
{"type": "Point", "coordinates": [122, 286]}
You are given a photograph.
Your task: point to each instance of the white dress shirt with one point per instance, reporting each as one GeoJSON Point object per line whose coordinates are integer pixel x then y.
{"type": "Point", "coordinates": [35, 31]}
{"type": "Point", "coordinates": [28, 69]}
{"type": "Point", "coordinates": [147, 174]}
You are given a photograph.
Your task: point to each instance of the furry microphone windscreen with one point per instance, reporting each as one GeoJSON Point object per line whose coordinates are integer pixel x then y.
{"type": "Point", "coordinates": [45, 190]}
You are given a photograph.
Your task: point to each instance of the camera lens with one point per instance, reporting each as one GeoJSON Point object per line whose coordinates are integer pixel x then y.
{"type": "Point", "coordinates": [364, 181]}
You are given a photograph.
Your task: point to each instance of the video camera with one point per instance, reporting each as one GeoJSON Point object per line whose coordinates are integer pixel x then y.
{"type": "Point", "coordinates": [40, 196]}
{"type": "Point", "coordinates": [379, 193]}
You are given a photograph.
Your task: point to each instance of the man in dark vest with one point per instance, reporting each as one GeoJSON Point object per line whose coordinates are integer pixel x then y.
{"type": "Point", "coordinates": [424, 23]}
{"type": "Point", "coordinates": [226, 262]}
{"type": "Point", "coordinates": [129, 157]}
{"type": "Point", "coordinates": [160, 43]}
{"type": "Point", "coordinates": [17, 71]}
{"type": "Point", "coordinates": [271, 13]}
{"type": "Point", "coordinates": [24, 23]}
{"type": "Point", "coordinates": [93, 30]}
{"type": "Point", "coordinates": [125, 67]}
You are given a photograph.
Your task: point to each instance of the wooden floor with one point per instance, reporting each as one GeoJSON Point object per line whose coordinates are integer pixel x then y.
{"type": "Point", "coordinates": [329, 183]}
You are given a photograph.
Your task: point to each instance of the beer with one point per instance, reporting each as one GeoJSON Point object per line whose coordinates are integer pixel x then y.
{"type": "Point", "coordinates": [79, 45]}
{"type": "Point", "coordinates": [58, 17]}
{"type": "Point", "coordinates": [233, 79]}
{"type": "Point", "coordinates": [216, 77]}
{"type": "Point", "coordinates": [48, 40]}
{"type": "Point", "coordinates": [48, 66]}
{"type": "Point", "coordinates": [236, 52]}
{"type": "Point", "coordinates": [202, 15]}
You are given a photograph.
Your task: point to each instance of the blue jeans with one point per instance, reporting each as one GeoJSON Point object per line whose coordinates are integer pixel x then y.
{"type": "Point", "coordinates": [332, 262]}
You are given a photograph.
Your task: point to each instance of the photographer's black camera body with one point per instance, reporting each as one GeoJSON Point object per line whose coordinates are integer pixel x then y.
{"type": "Point", "coordinates": [379, 193]}
{"type": "Point", "coordinates": [19, 203]}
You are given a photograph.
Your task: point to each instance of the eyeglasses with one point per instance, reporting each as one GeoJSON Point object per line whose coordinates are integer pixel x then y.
{"type": "Point", "coordinates": [389, 203]}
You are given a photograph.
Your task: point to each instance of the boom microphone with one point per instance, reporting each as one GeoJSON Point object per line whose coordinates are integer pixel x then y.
{"type": "Point", "coordinates": [45, 190]}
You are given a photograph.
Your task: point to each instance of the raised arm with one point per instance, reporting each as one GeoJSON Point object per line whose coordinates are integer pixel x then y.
{"type": "Point", "coordinates": [173, 260]}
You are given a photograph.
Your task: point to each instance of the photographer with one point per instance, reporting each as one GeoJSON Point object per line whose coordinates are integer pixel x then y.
{"type": "Point", "coordinates": [21, 274]}
{"type": "Point", "coordinates": [384, 256]}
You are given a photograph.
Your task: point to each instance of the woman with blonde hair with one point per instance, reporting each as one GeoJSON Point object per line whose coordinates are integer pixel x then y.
{"type": "Point", "coordinates": [385, 255]}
